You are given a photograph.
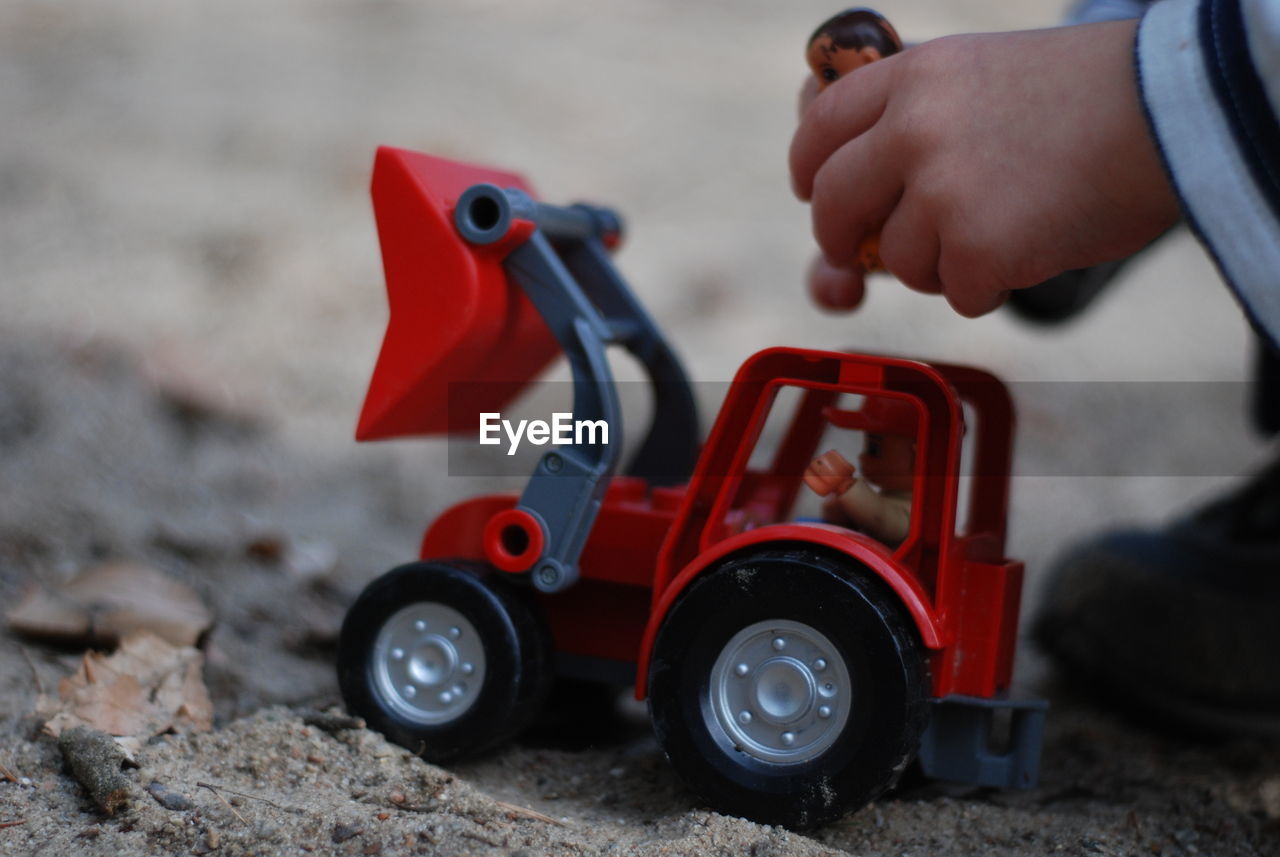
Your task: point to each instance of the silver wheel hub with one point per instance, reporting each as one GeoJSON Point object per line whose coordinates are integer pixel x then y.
{"type": "Point", "coordinates": [428, 663]}
{"type": "Point", "coordinates": [780, 692]}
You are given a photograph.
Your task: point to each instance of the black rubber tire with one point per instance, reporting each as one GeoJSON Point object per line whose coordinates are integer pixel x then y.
{"type": "Point", "coordinates": [516, 645]}
{"type": "Point", "coordinates": [880, 646]}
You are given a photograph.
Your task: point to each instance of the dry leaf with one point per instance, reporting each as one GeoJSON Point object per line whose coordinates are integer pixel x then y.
{"type": "Point", "coordinates": [44, 614]}
{"type": "Point", "coordinates": [193, 390]}
{"type": "Point", "coordinates": [147, 687]}
{"type": "Point", "coordinates": [105, 603]}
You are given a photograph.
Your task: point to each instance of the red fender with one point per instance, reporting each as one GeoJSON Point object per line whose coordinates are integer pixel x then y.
{"type": "Point", "coordinates": [860, 548]}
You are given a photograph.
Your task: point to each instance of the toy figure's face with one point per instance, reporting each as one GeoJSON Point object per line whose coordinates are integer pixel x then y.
{"type": "Point", "coordinates": [888, 461]}
{"type": "Point", "coordinates": [830, 62]}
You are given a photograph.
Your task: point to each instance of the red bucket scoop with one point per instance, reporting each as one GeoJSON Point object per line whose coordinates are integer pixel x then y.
{"type": "Point", "coordinates": [461, 339]}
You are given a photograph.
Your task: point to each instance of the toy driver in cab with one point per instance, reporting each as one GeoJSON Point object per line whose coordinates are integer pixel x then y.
{"type": "Point", "coordinates": [879, 502]}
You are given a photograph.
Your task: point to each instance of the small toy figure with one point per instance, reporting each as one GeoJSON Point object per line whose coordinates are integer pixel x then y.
{"type": "Point", "coordinates": [887, 462]}
{"type": "Point", "coordinates": [848, 41]}
{"type": "Point", "coordinates": [841, 44]}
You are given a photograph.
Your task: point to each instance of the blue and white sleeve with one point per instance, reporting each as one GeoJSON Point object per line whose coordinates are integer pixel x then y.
{"type": "Point", "coordinates": [1209, 75]}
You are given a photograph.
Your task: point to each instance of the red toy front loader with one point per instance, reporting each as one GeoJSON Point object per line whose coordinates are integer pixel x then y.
{"type": "Point", "coordinates": [792, 668]}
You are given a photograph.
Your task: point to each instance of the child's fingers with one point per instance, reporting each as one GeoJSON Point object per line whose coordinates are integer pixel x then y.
{"type": "Point", "coordinates": [972, 303]}
{"type": "Point", "coordinates": [966, 282]}
{"type": "Point", "coordinates": [909, 245]}
{"type": "Point", "coordinates": [835, 289]}
{"type": "Point", "coordinates": [844, 110]}
{"type": "Point", "coordinates": [853, 194]}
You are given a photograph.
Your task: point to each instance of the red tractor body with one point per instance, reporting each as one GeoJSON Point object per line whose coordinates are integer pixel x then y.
{"type": "Point", "coordinates": [776, 652]}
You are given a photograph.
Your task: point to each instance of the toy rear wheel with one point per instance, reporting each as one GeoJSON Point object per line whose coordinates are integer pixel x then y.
{"type": "Point", "coordinates": [788, 687]}
{"type": "Point", "coordinates": [447, 659]}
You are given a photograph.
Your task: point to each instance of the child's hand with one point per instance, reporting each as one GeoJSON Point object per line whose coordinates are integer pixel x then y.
{"type": "Point", "coordinates": [988, 162]}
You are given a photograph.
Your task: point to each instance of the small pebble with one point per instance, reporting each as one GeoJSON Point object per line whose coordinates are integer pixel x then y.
{"type": "Point", "coordinates": [212, 839]}
{"type": "Point", "coordinates": [343, 832]}
{"type": "Point", "coordinates": [168, 798]}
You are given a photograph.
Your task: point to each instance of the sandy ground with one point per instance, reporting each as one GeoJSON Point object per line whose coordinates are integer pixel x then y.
{"type": "Point", "coordinates": [183, 195]}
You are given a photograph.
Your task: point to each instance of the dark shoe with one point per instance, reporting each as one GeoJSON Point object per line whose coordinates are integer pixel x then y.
{"type": "Point", "coordinates": [1065, 296]}
{"type": "Point", "coordinates": [1059, 298]}
{"type": "Point", "coordinates": [1182, 625]}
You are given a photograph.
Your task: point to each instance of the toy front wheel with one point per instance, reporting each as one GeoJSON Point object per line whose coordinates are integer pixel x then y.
{"type": "Point", "coordinates": [446, 659]}
{"type": "Point", "coordinates": [788, 687]}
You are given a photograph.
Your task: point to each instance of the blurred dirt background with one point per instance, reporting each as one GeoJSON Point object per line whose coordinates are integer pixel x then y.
{"type": "Point", "coordinates": [191, 302]}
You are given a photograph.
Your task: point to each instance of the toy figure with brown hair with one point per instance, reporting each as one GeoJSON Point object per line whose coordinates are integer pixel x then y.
{"type": "Point", "coordinates": [843, 43]}
{"type": "Point", "coordinates": [848, 41]}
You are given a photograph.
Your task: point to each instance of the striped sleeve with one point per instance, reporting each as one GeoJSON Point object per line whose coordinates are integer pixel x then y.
{"type": "Point", "coordinates": [1209, 74]}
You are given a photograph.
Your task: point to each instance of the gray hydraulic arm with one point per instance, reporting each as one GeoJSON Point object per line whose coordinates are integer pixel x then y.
{"type": "Point", "coordinates": [564, 268]}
